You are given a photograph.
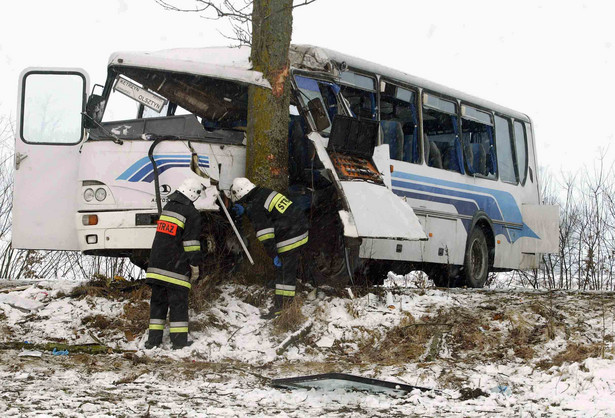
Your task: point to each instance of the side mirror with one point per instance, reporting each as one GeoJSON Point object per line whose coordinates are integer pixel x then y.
{"type": "Point", "coordinates": [319, 114]}
{"type": "Point", "coordinates": [94, 109]}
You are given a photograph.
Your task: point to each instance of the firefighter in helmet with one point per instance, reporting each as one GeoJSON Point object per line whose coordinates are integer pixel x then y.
{"type": "Point", "coordinates": [174, 264]}
{"type": "Point", "coordinates": [282, 228]}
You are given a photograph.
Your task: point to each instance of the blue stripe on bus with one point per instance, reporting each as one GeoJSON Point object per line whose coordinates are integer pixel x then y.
{"type": "Point", "coordinates": [142, 170]}
{"type": "Point", "coordinates": [498, 205]}
{"type": "Point", "coordinates": [150, 177]}
{"type": "Point", "coordinates": [160, 162]}
{"type": "Point", "coordinates": [463, 207]}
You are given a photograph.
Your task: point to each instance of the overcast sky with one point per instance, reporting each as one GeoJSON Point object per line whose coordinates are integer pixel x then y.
{"type": "Point", "coordinates": [553, 60]}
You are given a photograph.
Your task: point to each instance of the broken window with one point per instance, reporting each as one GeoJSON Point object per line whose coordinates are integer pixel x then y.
{"type": "Point", "coordinates": [399, 122]}
{"type": "Point", "coordinates": [324, 91]}
{"type": "Point", "coordinates": [360, 92]}
{"type": "Point", "coordinates": [442, 146]}
{"type": "Point", "coordinates": [478, 143]}
{"type": "Point", "coordinates": [220, 104]}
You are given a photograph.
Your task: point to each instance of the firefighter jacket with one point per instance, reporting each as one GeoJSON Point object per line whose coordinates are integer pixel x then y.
{"type": "Point", "coordinates": [279, 224]}
{"type": "Point", "coordinates": [176, 244]}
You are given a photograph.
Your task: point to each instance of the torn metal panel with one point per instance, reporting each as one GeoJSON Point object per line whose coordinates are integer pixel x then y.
{"type": "Point", "coordinates": [374, 210]}
{"type": "Point", "coordinates": [378, 213]}
{"type": "Point", "coordinates": [333, 381]}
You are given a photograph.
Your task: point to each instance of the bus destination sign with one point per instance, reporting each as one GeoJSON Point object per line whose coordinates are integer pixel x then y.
{"type": "Point", "coordinates": [140, 94]}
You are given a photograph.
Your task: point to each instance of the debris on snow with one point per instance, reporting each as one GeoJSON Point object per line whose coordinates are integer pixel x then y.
{"type": "Point", "coordinates": [554, 349]}
{"type": "Point", "coordinates": [344, 381]}
{"type": "Point", "coordinates": [30, 353]}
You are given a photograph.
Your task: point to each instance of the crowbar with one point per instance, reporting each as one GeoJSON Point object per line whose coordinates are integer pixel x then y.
{"type": "Point", "coordinates": [194, 166]}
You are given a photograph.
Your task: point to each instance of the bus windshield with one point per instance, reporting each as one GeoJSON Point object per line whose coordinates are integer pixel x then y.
{"type": "Point", "coordinates": [325, 91]}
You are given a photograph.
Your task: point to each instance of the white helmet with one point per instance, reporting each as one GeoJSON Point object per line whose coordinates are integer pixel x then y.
{"type": "Point", "coordinates": [191, 188]}
{"type": "Point", "coordinates": [241, 186]}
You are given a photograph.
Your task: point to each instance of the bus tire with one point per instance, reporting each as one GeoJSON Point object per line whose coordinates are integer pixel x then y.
{"type": "Point", "coordinates": [476, 259]}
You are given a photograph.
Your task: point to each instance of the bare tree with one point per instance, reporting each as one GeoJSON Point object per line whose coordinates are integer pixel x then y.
{"type": "Point", "coordinates": [238, 13]}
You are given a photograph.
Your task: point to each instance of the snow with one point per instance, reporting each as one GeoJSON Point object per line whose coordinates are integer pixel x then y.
{"type": "Point", "coordinates": [218, 62]}
{"type": "Point", "coordinates": [226, 371]}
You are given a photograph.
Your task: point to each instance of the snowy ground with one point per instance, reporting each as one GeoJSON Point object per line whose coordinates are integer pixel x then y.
{"type": "Point", "coordinates": [485, 353]}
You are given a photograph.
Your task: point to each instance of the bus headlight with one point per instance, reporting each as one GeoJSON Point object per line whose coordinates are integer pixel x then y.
{"type": "Point", "coordinates": [88, 195]}
{"type": "Point", "coordinates": [101, 194]}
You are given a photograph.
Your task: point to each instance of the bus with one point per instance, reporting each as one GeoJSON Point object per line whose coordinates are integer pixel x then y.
{"type": "Point", "coordinates": [395, 173]}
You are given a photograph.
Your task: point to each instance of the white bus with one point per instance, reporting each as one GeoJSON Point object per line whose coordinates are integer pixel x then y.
{"type": "Point", "coordinates": [395, 172]}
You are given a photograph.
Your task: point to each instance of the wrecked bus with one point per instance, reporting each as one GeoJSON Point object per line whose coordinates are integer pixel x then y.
{"type": "Point", "coordinates": [91, 172]}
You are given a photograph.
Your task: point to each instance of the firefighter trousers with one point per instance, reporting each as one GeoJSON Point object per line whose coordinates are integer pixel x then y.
{"type": "Point", "coordinates": [286, 278]}
{"type": "Point", "coordinates": [165, 299]}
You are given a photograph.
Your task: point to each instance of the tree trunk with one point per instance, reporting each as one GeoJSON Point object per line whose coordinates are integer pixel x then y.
{"type": "Point", "coordinates": [267, 140]}
{"type": "Point", "coordinates": [267, 133]}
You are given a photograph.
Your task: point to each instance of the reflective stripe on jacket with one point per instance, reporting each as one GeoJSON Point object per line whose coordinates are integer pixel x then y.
{"type": "Point", "coordinates": [176, 245]}
{"type": "Point", "coordinates": [279, 224]}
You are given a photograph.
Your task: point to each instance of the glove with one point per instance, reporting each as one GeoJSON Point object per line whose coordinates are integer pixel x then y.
{"type": "Point", "coordinates": [194, 275]}
{"type": "Point", "coordinates": [277, 262]}
{"type": "Point", "coordinates": [238, 210]}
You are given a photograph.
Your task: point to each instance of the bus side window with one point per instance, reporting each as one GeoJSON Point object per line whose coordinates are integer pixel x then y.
{"type": "Point", "coordinates": [362, 103]}
{"type": "Point", "coordinates": [441, 139]}
{"type": "Point", "coordinates": [504, 148]}
{"type": "Point", "coordinates": [399, 122]}
{"type": "Point", "coordinates": [521, 150]}
{"type": "Point", "coordinates": [478, 142]}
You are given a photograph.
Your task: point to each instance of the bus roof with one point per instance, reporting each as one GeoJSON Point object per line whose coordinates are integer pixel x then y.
{"type": "Point", "coordinates": [219, 62]}
{"type": "Point", "coordinates": [233, 63]}
{"type": "Point", "coordinates": [317, 58]}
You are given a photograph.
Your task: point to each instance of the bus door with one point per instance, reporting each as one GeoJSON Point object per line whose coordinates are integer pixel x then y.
{"type": "Point", "coordinates": [47, 146]}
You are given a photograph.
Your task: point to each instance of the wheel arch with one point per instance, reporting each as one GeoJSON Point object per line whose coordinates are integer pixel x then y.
{"type": "Point", "coordinates": [481, 220]}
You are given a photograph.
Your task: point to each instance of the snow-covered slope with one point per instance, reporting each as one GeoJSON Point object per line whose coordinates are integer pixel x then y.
{"type": "Point", "coordinates": [487, 352]}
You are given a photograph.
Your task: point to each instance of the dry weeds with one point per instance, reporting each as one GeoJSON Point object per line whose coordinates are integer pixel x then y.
{"type": "Point", "coordinates": [257, 296]}
{"type": "Point", "coordinates": [101, 322]}
{"type": "Point", "coordinates": [136, 317]}
{"type": "Point", "coordinates": [112, 288]}
{"type": "Point", "coordinates": [203, 293]}
{"type": "Point", "coordinates": [577, 353]}
{"type": "Point", "coordinates": [291, 318]}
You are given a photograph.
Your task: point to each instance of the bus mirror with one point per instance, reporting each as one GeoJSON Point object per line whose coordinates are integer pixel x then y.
{"type": "Point", "coordinates": [319, 115]}
{"type": "Point", "coordinates": [94, 111]}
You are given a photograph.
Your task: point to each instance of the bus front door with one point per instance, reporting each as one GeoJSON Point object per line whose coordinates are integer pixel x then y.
{"type": "Point", "coordinates": [47, 144]}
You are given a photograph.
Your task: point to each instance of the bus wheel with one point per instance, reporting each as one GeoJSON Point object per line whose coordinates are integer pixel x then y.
{"type": "Point", "coordinates": [476, 260]}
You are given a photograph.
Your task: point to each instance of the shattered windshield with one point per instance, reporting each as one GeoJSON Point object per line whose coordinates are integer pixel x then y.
{"type": "Point", "coordinates": [217, 103]}
{"type": "Point", "coordinates": [325, 91]}
{"type": "Point", "coordinates": [206, 105]}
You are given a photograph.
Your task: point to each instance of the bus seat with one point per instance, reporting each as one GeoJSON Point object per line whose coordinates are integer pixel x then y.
{"type": "Point", "coordinates": [393, 135]}
{"type": "Point", "coordinates": [453, 159]}
{"type": "Point", "coordinates": [432, 153]}
{"type": "Point", "coordinates": [407, 148]}
{"type": "Point", "coordinates": [411, 144]}
{"type": "Point", "coordinates": [479, 158]}
{"type": "Point", "coordinates": [491, 161]}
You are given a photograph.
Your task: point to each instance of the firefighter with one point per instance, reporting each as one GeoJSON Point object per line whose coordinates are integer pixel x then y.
{"type": "Point", "coordinates": [174, 264]}
{"type": "Point", "coordinates": [282, 228]}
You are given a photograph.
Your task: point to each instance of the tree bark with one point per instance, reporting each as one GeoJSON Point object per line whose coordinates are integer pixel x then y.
{"type": "Point", "coordinates": [267, 130]}
{"type": "Point", "coordinates": [267, 137]}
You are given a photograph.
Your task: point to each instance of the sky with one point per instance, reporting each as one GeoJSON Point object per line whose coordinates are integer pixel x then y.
{"type": "Point", "coordinates": [554, 61]}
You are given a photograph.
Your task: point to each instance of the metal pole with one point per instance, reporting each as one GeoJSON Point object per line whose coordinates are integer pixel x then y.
{"type": "Point", "coordinates": [243, 245]}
